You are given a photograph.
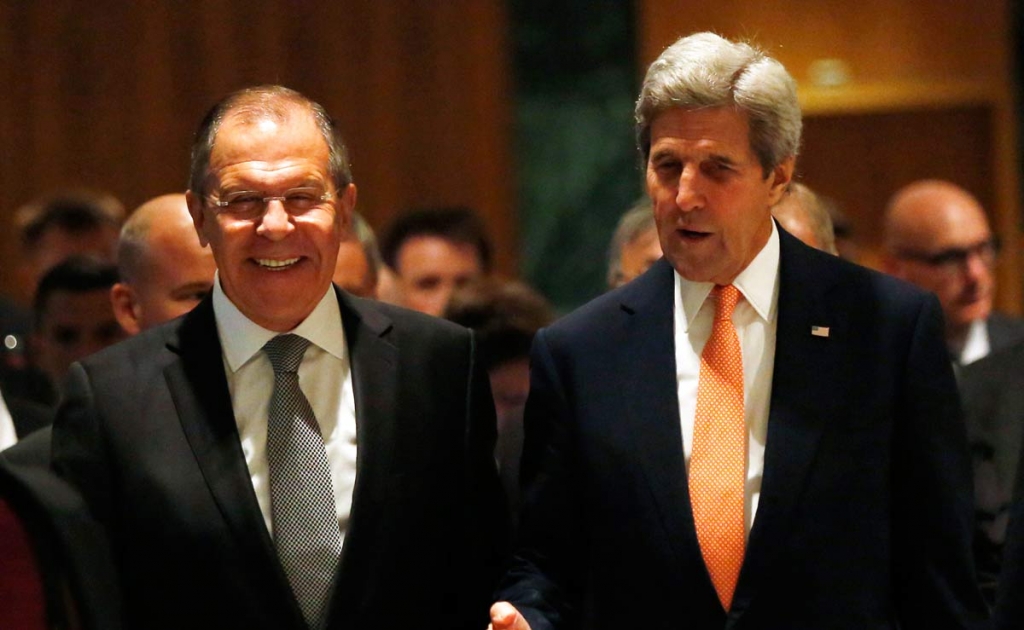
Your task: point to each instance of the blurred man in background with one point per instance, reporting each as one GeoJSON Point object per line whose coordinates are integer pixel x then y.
{"type": "Point", "coordinates": [164, 271]}
{"type": "Point", "coordinates": [73, 316]}
{"type": "Point", "coordinates": [50, 229]}
{"type": "Point", "coordinates": [434, 251]}
{"type": "Point", "coordinates": [634, 247]}
{"type": "Point", "coordinates": [936, 235]}
{"type": "Point", "coordinates": [802, 213]}
{"type": "Point", "coordinates": [505, 315]}
{"type": "Point", "coordinates": [359, 260]}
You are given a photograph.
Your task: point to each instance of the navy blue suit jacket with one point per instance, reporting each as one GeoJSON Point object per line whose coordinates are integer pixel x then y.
{"type": "Point", "coordinates": [147, 434]}
{"type": "Point", "coordinates": [864, 519]}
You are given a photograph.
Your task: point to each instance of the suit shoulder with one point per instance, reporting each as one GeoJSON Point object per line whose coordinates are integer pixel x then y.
{"type": "Point", "coordinates": [133, 353]}
{"type": "Point", "coordinates": [651, 292]}
{"type": "Point", "coordinates": [811, 267]}
{"type": "Point", "coordinates": [403, 322]}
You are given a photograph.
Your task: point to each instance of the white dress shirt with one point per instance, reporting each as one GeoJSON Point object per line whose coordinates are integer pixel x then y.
{"type": "Point", "coordinates": [976, 343]}
{"type": "Point", "coordinates": [8, 436]}
{"type": "Point", "coordinates": [756, 321]}
{"type": "Point", "coordinates": [325, 377]}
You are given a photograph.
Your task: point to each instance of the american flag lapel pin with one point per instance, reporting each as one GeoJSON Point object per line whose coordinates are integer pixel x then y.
{"type": "Point", "coordinates": [819, 331]}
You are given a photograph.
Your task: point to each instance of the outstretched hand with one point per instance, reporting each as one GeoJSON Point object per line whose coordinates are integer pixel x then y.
{"type": "Point", "coordinates": [504, 616]}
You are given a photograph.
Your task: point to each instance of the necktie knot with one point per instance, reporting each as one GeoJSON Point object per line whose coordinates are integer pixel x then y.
{"type": "Point", "coordinates": [285, 352]}
{"type": "Point", "coordinates": [726, 298]}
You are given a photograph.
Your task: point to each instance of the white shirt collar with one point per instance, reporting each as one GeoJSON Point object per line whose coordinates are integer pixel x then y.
{"type": "Point", "coordinates": [8, 434]}
{"type": "Point", "coordinates": [758, 282]}
{"type": "Point", "coordinates": [976, 343]}
{"type": "Point", "coordinates": [242, 339]}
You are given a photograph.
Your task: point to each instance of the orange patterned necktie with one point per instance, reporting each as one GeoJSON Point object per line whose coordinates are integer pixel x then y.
{"type": "Point", "coordinates": [718, 459]}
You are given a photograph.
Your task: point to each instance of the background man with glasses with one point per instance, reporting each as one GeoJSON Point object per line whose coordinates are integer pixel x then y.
{"type": "Point", "coordinates": [936, 235]}
{"type": "Point", "coordinates": [287, 455]}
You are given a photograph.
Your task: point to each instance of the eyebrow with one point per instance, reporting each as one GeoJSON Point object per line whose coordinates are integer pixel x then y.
{"type": "Point", "coordinates": [660, 154]}
{"type": "Point", "coordinates": [724, 159]}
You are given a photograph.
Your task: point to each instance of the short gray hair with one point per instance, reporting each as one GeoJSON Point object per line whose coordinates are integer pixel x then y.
{"type": "Point", "coordinates": [804, 206]}
{"type": "Point", "coordinates": [705, 70]}
{"type": "Point", "coordinates": [636, 221]}
{"type": "Point", "coordinates": [256, 103]}
{"type": "Point", "coordinates": [367, 239]}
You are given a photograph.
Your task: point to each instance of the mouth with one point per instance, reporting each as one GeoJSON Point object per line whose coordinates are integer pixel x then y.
{"type": "Point", "coordinates": [276, 264]}
{"type": "Point", "coordinates": [692, 235]}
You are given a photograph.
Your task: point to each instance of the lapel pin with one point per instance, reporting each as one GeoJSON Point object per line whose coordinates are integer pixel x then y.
{"type": "Point", "coordinates": [819, 331]}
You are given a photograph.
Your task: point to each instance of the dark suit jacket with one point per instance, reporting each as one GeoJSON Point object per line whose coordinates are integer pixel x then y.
{"type": "Point", "coordinates": [148, 435]}
{"type": "Point", "coordinates": [28, 416]}
{"type": "Point", "coordinates": [31, 451]}
{"type": "Point", "coordinates": [864, 518]}
{"type": "Point", "coordinates": [1004, 331]}
{"type": "Point", "coordinates": [22, 391]}
{"type": "Point", "coordinates": [993, 395]}
{"type": "Point", "coordinates": [1009, 608]}
{"type": "Point", "coordinates": [70, 549]}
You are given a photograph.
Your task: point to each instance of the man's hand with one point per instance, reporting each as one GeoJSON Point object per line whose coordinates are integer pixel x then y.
{"type": "Point", "coordinates": [504, 616]}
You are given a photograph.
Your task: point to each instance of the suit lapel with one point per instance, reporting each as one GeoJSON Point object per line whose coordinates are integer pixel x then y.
{"type": "Point", "coordinates": [374, 362]}
{"type": "Point", "coordinates": [648, 354]}
{"type": "Point", "coordinates": [199, 389]}
{"type": "Point", "coordinates": [799, 404]}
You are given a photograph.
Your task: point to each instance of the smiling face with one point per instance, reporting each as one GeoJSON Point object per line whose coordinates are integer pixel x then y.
{"type": "Point", "coordinates": [711, 198]}
{"type": "Point", "coordinates": [274, 268]}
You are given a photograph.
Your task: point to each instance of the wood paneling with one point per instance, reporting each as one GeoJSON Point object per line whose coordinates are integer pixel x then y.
{"type": "Point", "coordinates": [107, 94]}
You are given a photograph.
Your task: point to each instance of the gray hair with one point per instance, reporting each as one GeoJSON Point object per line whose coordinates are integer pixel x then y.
{"type": "Point", "coordinates": [636, 221]}
{"type": "Point", "coordinates": [277, 103]}
{"type": "Point", "coordinates": [804, 206]}
{"type": "Point", "coordinates": [367, 239]}
{"type": "Point", "coordinates": [705, 70]}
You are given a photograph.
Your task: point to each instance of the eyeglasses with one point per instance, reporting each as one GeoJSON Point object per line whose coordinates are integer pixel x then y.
{"type": "Point", "coordinates": [248, 204]}
{"type": "Point", "coordinates": [955, 258]}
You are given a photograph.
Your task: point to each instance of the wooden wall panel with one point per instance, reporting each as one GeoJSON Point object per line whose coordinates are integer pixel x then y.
{"type": "Point", "coordinates": [881, 40]}
{"type": "Point", "coordinates": [107, 94]}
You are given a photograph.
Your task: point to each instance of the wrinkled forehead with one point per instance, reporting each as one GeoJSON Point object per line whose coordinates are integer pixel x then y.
{"type": "Point", "coordinates": [270, 148]}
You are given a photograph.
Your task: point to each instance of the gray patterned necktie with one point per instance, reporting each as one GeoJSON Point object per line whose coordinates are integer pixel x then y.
{"type": "Point", "coordinates": [306, 531]}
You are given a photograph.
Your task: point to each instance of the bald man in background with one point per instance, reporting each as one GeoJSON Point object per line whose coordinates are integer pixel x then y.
{"type": "Point", "coordinates": [936, 235]}
{"type": "Point", "coordinates": [802, 213]}
{"type": "Point", "coordinates": [164, 271]}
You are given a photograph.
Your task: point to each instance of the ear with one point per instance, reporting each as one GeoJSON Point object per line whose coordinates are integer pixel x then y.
{"type": "Point", "coordinates": [126, 308]}
{"type": "Point", "coordinates": [345, 207]}
{"type": "Point", "coordinates": [195, 208]}
{"type": "Point", "coordinates": [781, 177]}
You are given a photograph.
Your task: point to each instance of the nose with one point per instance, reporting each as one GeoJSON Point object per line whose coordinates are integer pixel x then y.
{"type": "Point", "coordinates": [689, 194]}
{"type": "Point", "coordinates": [275, 223]}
